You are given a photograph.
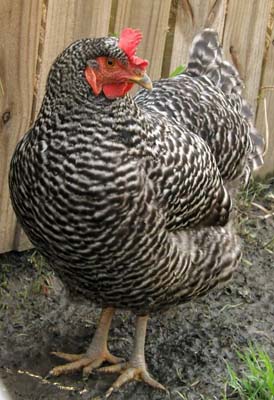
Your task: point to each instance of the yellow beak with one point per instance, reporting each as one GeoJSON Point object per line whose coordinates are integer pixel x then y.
{"type": "Point", "coordinates": [143, 80]}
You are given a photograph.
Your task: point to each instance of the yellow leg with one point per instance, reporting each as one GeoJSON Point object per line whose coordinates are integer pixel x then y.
{"type": "Point", "coordinates": [96, 354]}
{"type": "Point", "coordinates": [136, 368]}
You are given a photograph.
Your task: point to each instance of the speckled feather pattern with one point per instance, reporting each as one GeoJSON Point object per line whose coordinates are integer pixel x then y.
{"type": "Point", "coordinates": [127, 204]}
{"type": "Point", "coordinates": [206, 111]}
{"type": "Point", "coordinates": [207, 100]}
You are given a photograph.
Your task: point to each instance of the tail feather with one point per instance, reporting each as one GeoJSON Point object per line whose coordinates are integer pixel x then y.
{"type": "Point", "coordinates": [206, 59]}
{"type": "Point", "coordinates": [255, 159]}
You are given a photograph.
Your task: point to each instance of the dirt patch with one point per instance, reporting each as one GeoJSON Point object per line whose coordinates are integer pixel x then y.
{"type": "Point", "coordinates": [186, 348]}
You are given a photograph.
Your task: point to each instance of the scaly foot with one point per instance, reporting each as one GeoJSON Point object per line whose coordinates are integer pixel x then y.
{"type": "Point", "coordinates": [87, 362]}
{"type": "Point", "coordinates": [96, 354]}
{"type": "Point", "coordinates": [129, 373]}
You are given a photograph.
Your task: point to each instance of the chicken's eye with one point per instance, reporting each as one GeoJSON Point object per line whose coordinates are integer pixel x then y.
{"type": "Point", "coordinates": [110, 62]}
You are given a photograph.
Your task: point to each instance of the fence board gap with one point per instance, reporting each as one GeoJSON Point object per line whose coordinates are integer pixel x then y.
{"type": "Point", "coordinates": [152, 18]}
{"type": "Point", "coordinates": [192, 17]}
{"type": "Point", "coordinates": [111, 28]}
{"type": "Point", "coordinates": [244, 41]}
{"type": "Point", "coordinates": [169, 40]}
{"type": "Point", "coordinates": [66, 21]}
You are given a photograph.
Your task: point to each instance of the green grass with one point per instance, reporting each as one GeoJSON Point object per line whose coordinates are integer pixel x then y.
{"type": "Point", "coordinates": [252, 205]}
{"type": "Point", "coordinates": [179, 70]}
{"type": "Point", "coordinates": [256, 189]}
{"type": "Point", "coordinates": [256, 379]}
{"type": "Point", "coordinates": [42, 282]}
{"type": "Point", "coordinates": [4, 268]}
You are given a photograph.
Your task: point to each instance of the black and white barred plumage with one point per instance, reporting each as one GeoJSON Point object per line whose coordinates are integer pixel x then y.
{"type": "Point", "coordinates": [207, 100]}
{"type": "Point", "coordinates": [125, 197]}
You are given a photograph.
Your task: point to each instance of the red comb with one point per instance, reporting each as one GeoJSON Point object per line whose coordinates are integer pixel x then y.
{"type": "Point", "coordinates": [128, 42]}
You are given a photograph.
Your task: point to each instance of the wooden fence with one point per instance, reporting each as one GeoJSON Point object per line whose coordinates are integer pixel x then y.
{"type": "Point", "coordinates": [33, 32]}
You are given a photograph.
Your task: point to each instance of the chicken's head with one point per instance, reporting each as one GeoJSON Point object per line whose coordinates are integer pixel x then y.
{"type": "Point", "coordinates": [106, 66]}
{"type": "Point", "coordinates": [115, 75]}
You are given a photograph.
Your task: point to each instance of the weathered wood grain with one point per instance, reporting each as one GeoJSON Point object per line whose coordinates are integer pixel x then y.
{"type": "Point", "coordinates": [20, 29]}
{"type": "Point", "coordinates": [66, 21]}
{"type": "Point", "coordinates": [267, 92]}
{"type": "Point", "coordinates": [192, 16]}
{"type": "Point", "coordinates": [63, 22]}
{"type": "Point", "coordinates": [152, 18]}
{"type": "Point", "coordinates": [244, 41]}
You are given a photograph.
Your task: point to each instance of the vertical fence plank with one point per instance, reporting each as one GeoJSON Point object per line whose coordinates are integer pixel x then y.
{"type": "Point", "coordinates": [152, 18]}
{"type": "Point", "coordinates": [244, 41]}
{"type": "Point", "coordinates": [66, 21]}
{"type": "Point", "coordinates": [192, 16]}
{"type": "Point", "coordinates": [20, 29]}
{"type": "Point", "coordinates": [267, 92]}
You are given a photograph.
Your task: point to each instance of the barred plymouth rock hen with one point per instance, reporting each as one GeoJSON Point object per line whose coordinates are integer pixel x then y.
{"type": "Point", "coordinates": [125, 198]}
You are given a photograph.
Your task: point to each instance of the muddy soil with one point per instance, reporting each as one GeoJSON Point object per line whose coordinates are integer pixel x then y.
{"type": "Point", "coordinates": [187, 348]}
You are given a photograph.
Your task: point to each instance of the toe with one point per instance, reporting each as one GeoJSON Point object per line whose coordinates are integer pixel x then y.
{"type": "Point", "coordinates": [99, 360]}
{"type": "Point", "coordinates": [67, 356]}
{"type": "Point", "coordinates": [125, 377]}
{"type": "Point", "coordinates": [88, 362]}
{"type": "Point", "coordinates": [93, 365]}
{"type": "Point", "coordinates": [128, 374]}
{"type": "Point", "coordinates": [152, 382]}
{"type": "Point", "coordinates": [113, 368]}
{"type": "Point", "coordinates": [70, 367]}
{"type": "Point", "coordinates": [113, 359]}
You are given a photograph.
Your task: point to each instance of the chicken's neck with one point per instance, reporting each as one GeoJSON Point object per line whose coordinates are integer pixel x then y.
{"type": "Point", "coordinates": [118, 120]}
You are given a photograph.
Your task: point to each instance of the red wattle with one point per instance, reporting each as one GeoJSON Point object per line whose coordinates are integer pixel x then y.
{"type": "Point", "coordinates": [114, 90]}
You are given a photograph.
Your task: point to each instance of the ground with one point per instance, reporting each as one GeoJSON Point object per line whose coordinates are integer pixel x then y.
{"type": "Point", "coordinates": [187, 348]}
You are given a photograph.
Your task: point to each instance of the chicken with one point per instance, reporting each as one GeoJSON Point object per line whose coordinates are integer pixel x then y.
{"type": "Point", "coordinates": [125, 197]}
